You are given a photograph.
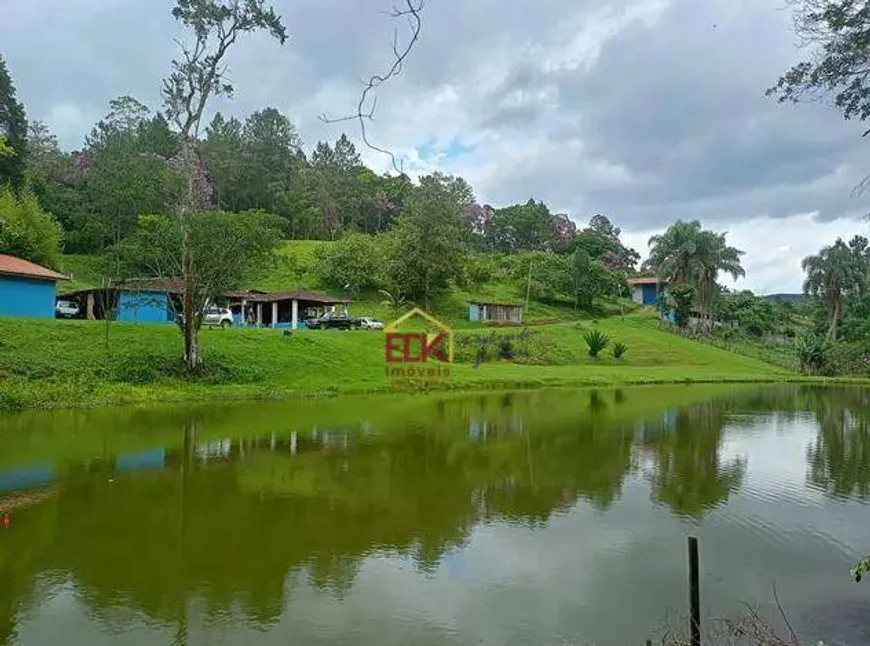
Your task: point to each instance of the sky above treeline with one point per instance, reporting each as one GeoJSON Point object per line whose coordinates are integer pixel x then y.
{"type": "Point", "coordinates": [644, 110]}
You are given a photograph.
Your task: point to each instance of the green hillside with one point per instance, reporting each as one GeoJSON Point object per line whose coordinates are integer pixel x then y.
{"type": "Point", "coordinates": [59, 363]}
{"type": "Point", "coordinates": [296, 268]}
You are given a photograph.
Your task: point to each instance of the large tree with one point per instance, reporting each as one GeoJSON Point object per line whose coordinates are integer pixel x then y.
{"type": "Point", "coordinates": [426, 239]}
{"type": "Point", "coordinates": [836, 34]}
{"type": "Point", "coordinates": [600, 239]}
{"type": "Point", "coordinates": [270, 146]}
{"type": "Point", "coordinates": [227, 250]}
{"type": "Point", "coordinates": [835, 273]}
{"type": "Point", "coordinates": [333, 178]}
{"type": "Point", "coordinates": [523, 227]}
{"type": "Point", "coordinates": [126, 179]}
{"type": "Point", "coordinates": [60, 185]}
{"type": "Point", "coordinates": [13, 131]}
{"type": "Point", "coordinates": [196, 78]}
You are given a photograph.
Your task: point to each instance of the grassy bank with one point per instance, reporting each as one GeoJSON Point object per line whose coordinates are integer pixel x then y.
{"type": "Point", "coordinates": [68, 363]}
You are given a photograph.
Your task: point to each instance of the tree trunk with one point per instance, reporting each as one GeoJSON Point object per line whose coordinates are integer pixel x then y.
{"type": "Point", "coordinates": [835, 315]}
{"type": "Point", "coordinates": [192, 355]}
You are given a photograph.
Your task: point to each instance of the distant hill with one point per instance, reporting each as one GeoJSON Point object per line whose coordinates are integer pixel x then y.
{"type": "Point", "coordinates": [790, 298]}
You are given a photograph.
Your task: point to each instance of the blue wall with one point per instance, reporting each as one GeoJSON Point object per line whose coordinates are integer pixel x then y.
{"type": "Point", "coordinates": [21, 296]}
{"type": "Point", "coordinates": [25, 478]}
{"type": "Point", "coordinates": [144, 307]}
{"type": "Point", "coordinates": [650, 294]}
{"type": "Point", "coordinates": [153, 459]}
{"type": "Point", "coordinates": [474, 312]}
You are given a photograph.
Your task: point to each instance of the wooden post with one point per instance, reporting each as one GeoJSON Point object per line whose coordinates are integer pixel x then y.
{"type": "Point", "coordinates": [259, 314]}
{"type": "Point", "coordinates": [294, 319]}
{"type": "Point", "coordinates": [694, 593]}
{"type": "Point", "coordinates": [275, 314]}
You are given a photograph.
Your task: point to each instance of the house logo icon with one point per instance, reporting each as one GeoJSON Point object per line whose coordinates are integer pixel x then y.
{"type": "Point", "coordinates": [419, 347]}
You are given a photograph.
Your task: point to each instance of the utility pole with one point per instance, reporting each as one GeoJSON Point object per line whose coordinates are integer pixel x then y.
{"type": "Point", "coordinates": [529, 286]}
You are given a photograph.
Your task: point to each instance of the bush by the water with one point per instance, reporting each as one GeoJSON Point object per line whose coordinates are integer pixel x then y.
{"type": "Point", "coordinates": [844, 358]}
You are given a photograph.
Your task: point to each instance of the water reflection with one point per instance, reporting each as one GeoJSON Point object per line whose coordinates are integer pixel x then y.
{"type": "Point", "coordinates": [236, 508]}
{"type": "Point", "coordinates": [687, 473]}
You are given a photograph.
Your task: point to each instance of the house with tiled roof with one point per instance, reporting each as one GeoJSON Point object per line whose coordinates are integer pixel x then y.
{"type": "Point", "coordinates": [27, 289]}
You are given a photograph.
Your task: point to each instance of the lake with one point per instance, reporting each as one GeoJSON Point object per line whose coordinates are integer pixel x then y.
{"type": "Point", "coordinates": [549, 517]}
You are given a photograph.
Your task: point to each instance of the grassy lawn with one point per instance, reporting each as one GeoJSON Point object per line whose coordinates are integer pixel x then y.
{"type": "Point", "coordinates": [67, 363]}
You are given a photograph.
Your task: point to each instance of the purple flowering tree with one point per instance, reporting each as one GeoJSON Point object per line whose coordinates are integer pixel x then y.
{"type": "Point", "coordinates": [195, 78]}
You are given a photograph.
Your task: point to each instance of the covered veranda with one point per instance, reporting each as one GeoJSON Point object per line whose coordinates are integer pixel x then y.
{"type": "Point", "coordinates": [287, 310]}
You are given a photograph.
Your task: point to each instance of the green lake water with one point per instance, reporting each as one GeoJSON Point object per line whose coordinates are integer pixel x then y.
{"type": "Point", "coordinates": [551, 517]}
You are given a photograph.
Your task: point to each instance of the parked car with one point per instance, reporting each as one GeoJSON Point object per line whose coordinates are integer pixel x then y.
{"type": "Point", "coordinates": [333, 321]}
{"type": "Point", "coordinates": [217, 316]}
{"type": "Point", "coordinates": [67, 310]}
{"type": "Point", "coordinates": [371, 323]}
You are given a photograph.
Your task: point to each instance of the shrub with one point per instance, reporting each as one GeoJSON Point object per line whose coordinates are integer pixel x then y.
{"type": "Point", "coordinates": [812, 352]}
{"type": "Point", "coordinates": [619, 349]}
{"type": "Point", "coordinates": [506, 348]}
{"type": "Point", "coordinates": [845, 358]}
{"type": "Point", "coordinates": [683, 296]}
{"type": "Point", "coordinates": [596, 341]}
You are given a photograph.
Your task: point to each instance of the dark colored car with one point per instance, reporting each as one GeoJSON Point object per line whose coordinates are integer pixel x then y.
{"type": "Point", "coordinates": [333, 321]}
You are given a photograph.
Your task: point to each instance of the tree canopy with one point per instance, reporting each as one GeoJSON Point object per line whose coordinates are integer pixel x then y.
{"type": "Point", "coordinates": [13, 133]}
{"type": "Point", "coordinates": [836, 34]}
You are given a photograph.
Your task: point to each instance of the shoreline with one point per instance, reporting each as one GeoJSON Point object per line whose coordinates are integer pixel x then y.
{"type": "Point", "coordinates": [23, 395]}
{"type": "Point", "coordinates": [60, 364]}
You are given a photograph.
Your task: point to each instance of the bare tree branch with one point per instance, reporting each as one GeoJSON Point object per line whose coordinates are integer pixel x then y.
{"type": "Point", "coordinates": [367, 104]}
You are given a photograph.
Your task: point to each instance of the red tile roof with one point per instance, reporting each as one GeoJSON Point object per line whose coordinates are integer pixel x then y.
{"type": "Point", "coordinates": [12, 266]}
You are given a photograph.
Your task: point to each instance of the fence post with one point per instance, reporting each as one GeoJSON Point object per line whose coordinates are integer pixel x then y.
{"type": "Point", "coordinates": [694, 593]}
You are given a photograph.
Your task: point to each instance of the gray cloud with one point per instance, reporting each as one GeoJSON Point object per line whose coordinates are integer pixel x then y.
{"type": "Point", "coordinates": [647, 110]}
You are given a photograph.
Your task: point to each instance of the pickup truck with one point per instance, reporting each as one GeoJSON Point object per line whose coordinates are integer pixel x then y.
{"type": "Point", "coordinates": [333, 321]}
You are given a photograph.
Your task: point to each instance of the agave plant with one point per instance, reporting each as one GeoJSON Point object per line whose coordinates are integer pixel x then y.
{"type": "Point", "coordinates": [596, 340]}
{"type": "Point", "coordinates": [619, 349]}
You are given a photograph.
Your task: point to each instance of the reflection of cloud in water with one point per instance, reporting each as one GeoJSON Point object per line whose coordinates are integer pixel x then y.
{"type": "Point", "coordinates": [776, 451]}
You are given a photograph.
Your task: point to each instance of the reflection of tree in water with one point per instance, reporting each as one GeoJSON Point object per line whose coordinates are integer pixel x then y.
{"type": "Point", "coordinates": [21, 556]}
{"type": "Point", "coordinates": [688, 475]}
{"type": "Point", "coordinates": [231, 526]}
{"type": "Point", "coordinates": [839, 459]}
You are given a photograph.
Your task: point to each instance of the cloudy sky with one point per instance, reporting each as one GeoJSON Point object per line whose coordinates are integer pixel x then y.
{"type": "Point", "coordinates": [645, 110]}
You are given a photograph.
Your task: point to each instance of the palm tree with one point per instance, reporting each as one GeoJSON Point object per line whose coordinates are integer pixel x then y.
{"type": "Point", "coordinates": [714, 256]}
{"type": "Point", "coordinates": [834, 273]}
{"type": "Point", "coordinates": [394, 300]}
{"type": "Point", "coordinates": [686, 253]}
{"type": "Point", "coordinates": [673, 253]}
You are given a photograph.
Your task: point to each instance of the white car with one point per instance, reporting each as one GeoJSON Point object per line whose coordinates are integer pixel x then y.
{"type": "Point", "coordinates": [67, 310]}
{"type": "Point", "coordinates": [370, 323]}
{"type": "Point", "coordinates": [217, 316]}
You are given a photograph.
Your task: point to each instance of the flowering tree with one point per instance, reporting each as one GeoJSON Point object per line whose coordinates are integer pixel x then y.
{"type": "Point", "coordinates": [196, 77]}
